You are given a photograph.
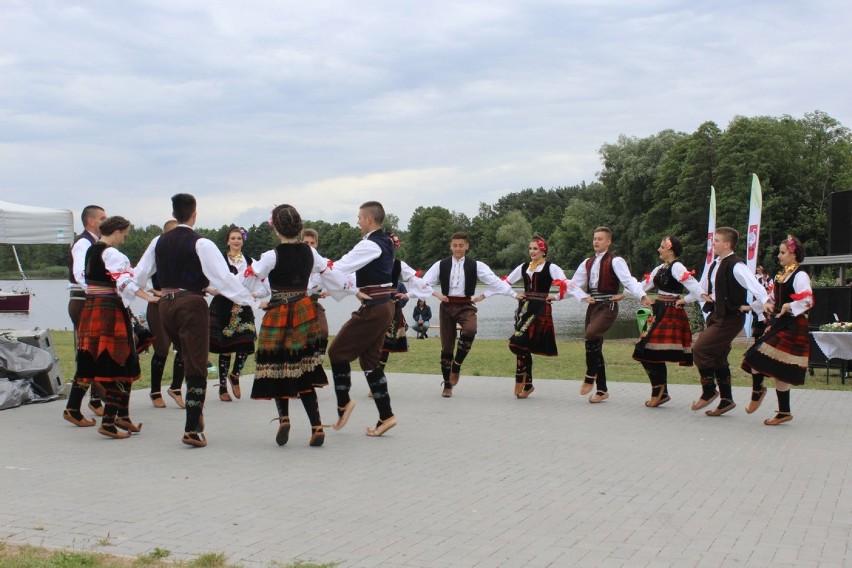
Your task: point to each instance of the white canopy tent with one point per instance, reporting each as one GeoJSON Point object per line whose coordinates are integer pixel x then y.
{"type": "Point", "coordinates": [28, 225]}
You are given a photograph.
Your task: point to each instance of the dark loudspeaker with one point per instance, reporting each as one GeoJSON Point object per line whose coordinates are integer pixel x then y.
{"type": "Point", "coordinates": [840, 223]}
{"type": "Point", "coordinates": [829, 301]}
{"type": "Point", "coordinates": [49, 382]}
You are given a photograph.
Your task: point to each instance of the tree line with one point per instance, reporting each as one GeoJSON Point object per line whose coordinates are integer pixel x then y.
{"type": "Point", "coordinates": [647, 188]}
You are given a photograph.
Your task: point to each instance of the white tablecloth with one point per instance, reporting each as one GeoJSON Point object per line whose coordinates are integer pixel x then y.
{"type": "Point", "coordinates": [834, 344]}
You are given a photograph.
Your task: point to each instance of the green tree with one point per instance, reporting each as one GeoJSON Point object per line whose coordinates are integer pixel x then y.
{"type": "Point", "coordinates": [513, 238]}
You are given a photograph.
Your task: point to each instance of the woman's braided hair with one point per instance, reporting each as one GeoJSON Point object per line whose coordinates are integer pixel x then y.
{"type": "Point", "coordinates": [113, 224]}
{"type": "Point", "coordinates": [287, 221]}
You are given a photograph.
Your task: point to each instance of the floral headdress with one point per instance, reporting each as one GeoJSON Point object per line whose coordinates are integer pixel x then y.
{"type": "Point", "coordinates": [791, 244]}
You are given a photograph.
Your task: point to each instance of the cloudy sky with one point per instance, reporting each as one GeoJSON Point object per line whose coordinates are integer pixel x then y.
{"type": "Point", "coordinates": [327, 104]}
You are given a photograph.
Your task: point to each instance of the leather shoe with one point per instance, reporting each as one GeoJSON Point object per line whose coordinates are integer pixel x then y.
{"type": "Point", "coordinates": [755, 404]}
{"type": "Point", "coordinates": [526, 392]}
{"type": "Point", "coordinates": [235, 385]}
{"type": "Point", "coordinates": [283, 433]}
{"type": "Point", "coordinates": [110, 431]}
{"type": "Point", "coordinates": [177, 396]}
{"type": "Point", "coordinates": [701, 402]}
{"type": "Point", "coordinates": [317, 436]}
{"type": "Point", "coordinates": [586, 388]}
{"type": "Point", "coordinates": [454, 378]}
{"type": "Point", "coordinates": [194, 439]}
{"type": "Point", "coordinates": [97, 409]}
{"type": "Point", "coordinates": [82, 422]}
{"type": "Point", "coordinates": [599, 396]}
{"type": "Point", "coordinates": [343, 414]}
{"type": "Point", "coordinates": [725, 405]}
{"type": "Point", "coordinates": [780, 418]}
{"type": "Point", "coordinates": [126, 424]}
{"type": "Point", "coordinates": [382, 426]}
{"type": "Point", "coordinates": [157, 400]}
{"type": "Point", "coordinates": [447, 392]}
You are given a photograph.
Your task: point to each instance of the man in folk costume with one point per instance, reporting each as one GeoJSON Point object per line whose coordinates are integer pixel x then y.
{"type": "Point", "coordinates": [602, 274]}
{"type": "Point", "coordinates": [186, 265]}
{"type": "Point", "coordinates": [725, 288]}
{"type": "Point", "coordinates": [162, 345]}
{"type": "Point", "coordinates": [362, 337]}
{"type": "Point", "coordinates": [458, 275]}
{"type": "Point", "coordinates": [92, 217]}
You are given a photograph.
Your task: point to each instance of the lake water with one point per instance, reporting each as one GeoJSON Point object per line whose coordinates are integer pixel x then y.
{"type": "Point", "coordinates": [49, 310]}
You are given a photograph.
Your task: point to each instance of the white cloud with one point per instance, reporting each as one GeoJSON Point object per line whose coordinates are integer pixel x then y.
{"type": "Point", "coordinates": [330, 104]}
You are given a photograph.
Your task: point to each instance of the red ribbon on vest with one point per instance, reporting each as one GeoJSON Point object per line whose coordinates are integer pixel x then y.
{"type": "Point", "coordinates": [249, 272]}
{"type": "Point", "coordinates": [686, 275]}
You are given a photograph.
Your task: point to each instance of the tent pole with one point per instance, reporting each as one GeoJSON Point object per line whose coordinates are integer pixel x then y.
{"type": "Point", "coordinates": [20, 268]}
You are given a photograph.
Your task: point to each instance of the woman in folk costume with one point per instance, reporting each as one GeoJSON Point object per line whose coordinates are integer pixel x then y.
{"type": "Point", "coordinates": [232, 327]}
{"type": "Point", "coordinates": [782, 351]}
{"type": "Point", "coordinates": [106, 351]}
{"type": "Point", "coordinates": [396, 341]}
{"type": "Point", "coordinates": [290, 347]}
{"type": "Point", "coordinates": [534, 332]}
{"type": "Point", "coordinates": [667, 336]}
{"type": "Point", "coordinates": [316, 292]}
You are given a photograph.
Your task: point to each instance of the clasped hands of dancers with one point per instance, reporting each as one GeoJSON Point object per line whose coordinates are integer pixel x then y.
{"type": "Point", "coordinates": [293, 337]}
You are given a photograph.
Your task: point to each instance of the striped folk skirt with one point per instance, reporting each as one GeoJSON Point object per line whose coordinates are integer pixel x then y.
{"type": "Point", "coordinates": [290, 350]}
{"type": "Point", "coordinates": [667, 336]}
{"type": "Point", "coordinates": [782, 352]}
{"type": "Point", "coordinates": [105, 347]}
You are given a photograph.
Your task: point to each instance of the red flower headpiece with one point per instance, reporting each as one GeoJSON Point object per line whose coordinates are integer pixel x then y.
{"type": "Point", "coordinates": [542, 246]}
{"type": "Point", "coordinates": [791, 244]}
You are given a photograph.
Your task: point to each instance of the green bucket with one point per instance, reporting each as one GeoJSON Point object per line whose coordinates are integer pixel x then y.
{"type": "Point", "coordinates": [642, 315]}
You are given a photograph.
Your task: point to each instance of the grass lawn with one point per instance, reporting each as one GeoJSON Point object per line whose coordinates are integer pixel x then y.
{"type": "Point", "coordinates": [37, 557]}
{"type": "Point", "coordinates": [492, 358]}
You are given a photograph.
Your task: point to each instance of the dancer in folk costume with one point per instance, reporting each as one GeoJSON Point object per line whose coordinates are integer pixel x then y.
{"type": "Point", "coordinates": [458, 274]}
{"type": "Point", "coordinates": [106, 351]}
{"type": "Point", "coordinates": [186, 264]}
{"type": "Point", "coordinates": [667, 336]}
{"type": "Point", "coordinates": [371, 259]}
{"type": "Point", "coordinates": [602, 274]}
{"type": "Point", "coordinates": [534, 332]}
{"type": "Point", "coordinates": [316, 290]}
{"type": "Point", "coordinates": [725, 288]}
{"type": "Point", "coordinates": [290, 344]}
{"type": "Point", "coordinates": [232, 328]}
{"type": "Point", "coordinates": [92, 217]}
{"type": "Point", "coordinates": [396, 340]}
{"type": "Point", "coordinates": [162, 346]}
{"type": "Point", "coordinates": [782, 351]}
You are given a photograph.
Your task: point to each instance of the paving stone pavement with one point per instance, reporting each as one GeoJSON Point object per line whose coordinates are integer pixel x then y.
{"type": "Point", "coordinates": [481, 479]}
